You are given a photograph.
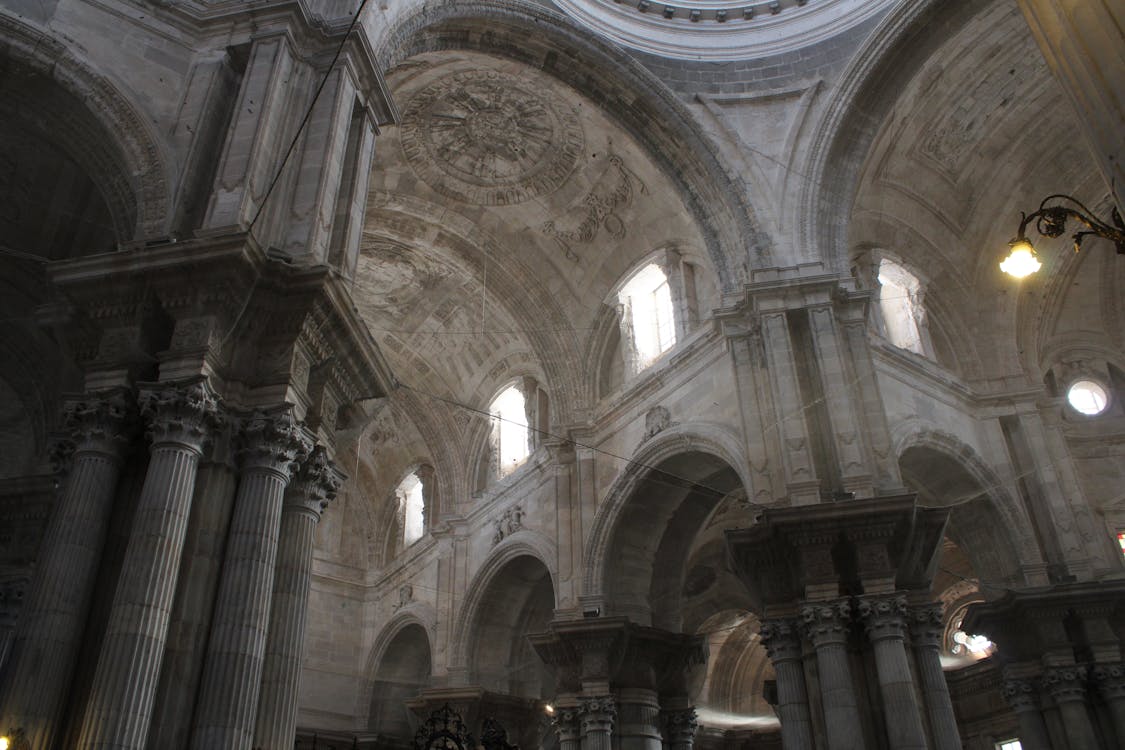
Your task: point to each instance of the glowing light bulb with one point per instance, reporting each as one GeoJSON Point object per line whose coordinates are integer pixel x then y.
{"type": "Point", "coordinates": [1021, 261]}
{"type": "Point", "coordinates": [5, 743]}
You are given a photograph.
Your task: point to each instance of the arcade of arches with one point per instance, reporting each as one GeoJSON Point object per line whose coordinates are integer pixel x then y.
{"type": "Point", "coordinates": [632, 375]}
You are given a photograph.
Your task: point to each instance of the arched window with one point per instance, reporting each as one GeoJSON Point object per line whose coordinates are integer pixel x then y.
{"type": "Point", "coordinates": [900, 303]}
{"type": "Point", "coordinates": [411, 508]}
{"type": "Point", "coordinates": [511, 443]}
{"type": "Point", "coordinates": [646, 301]}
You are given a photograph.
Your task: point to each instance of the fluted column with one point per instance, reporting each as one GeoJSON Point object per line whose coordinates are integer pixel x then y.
{"type": "Point", "coordinates": [782, 639]}
{"type": "Point", "coordinates": [314, 487]}
{"type": "Point", "coordinates": [827, 625]}
{"type": "Point", "coordinates": [884, 618]}
{"type": "Point", "coordinates": [1020, 695]}
{"type": "Point", "coordinates": [180, 418]}
{"type": "Point", "coordinates": [638, 720]}
{"type": "Point", "coordinates": [598, 715]}
{"type": "Point", "coordinates": [568, 728]}
{"type": "Point", "coordinates": [1067, 685]}
{"type": "Point", "coordinates": [1110, 679]}
{"type": "Point", "coordinates": [680, 727]}
{"type": "Point", "coordinates": [926, 634]}
{"type": "Point", "coordinates": [45, 648]}
{"type": "Point", "coordinates": [232, 673]}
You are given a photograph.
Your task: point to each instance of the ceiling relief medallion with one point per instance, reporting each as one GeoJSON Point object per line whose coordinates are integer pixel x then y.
{"type": "Point", "coordinates": [598, 209]}
{"type": "Point", "coordinates": [489, 138]}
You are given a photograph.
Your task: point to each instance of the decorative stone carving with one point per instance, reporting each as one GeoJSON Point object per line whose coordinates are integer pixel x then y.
{"type": "Point", "coordinates": [884, 616]}
{"type": "Point", "coordinates": [316, 483]}
{"type": "Point", "coordinates": [926, 625]}
{"type": "Point", "coordinates": [489, 138]}
{"type": "Point", "coordinates": [273, 442]}
{"type": "Point", "coordinates": [681, 726]}
{"type": "Point", "coordinates": [613, 191]}
{"type": "Point", "coordinates": [507, 524]}
{"type": "Point", "coordinates": [657, 419]}
{"type": "Point", "coordinates": [827, 622]}
{"type": "Point", "coordinates": [782, 639]}
{"type": "Point", "coordinates": [1020, 695]}
{"type": "Point", "coordinates": [598, 714]}
{"type": "Point", "coordinates": [178, 413]}
{"type": "Point", "coordinates": [1066, 684]}
{"type": "Point", "coordinates": [567, 726]}
{"type": "Point", "coordinates": [100, 423]}
{"type": "Point", "coordinates": [405, 596]}
{"type": "Point", "coordinates": [1110, 679]}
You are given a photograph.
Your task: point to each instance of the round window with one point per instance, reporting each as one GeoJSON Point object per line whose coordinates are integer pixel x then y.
{"type": "Point", "coordinates": [1087, 397]}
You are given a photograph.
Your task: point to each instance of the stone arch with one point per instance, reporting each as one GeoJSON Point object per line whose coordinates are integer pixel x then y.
{"type": "Point", "coordinates": [546, 39]}
{"type": "Point", "coordinates": [523, 543]}
{"type": "Point", "coordinates": [400, 665]}
{"type": "Point", "coordinates": [123, 147]}
{"type": "Point", "coordinates": [641, 538]}
{"type": "Point", "coordinates": [986, 521]}
{"type": "Point", "coordinates": [704, 438]}
{"type": "Point", "coordinates": [893, 53]}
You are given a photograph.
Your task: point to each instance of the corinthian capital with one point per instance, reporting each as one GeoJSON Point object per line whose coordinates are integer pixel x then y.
{"type": "Point", "coordinates": [1110, 679]}
{"type": "Point", "coordinates": [681, 725]}
{"type": "Point", "coordinates": [1066, 684]}
{"type": "Point", "coordinates": [782, 639]}
{"type": "Point", "coordinates": [315, 484]}
{"type": "Point", "coordinates": [827, 622]}
{"type": "Point", "coordinates": [927, 625]}
{"type": "Point", "coordinates": [273, 442]}
{"type": "Point", "coordinates": [598, 714]}
{"type": "Point", "coordinates": [100, 422]}
{"type": "Point", "coordinates": [180, 414]}
{"type": "Point", "coordinates": [1020, 695]}
{"type": "Point", "coordinates": [883, 616]}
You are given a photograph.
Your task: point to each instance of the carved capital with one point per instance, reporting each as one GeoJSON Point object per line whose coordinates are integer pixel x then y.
{"type": "Point", "coordinates": [315, 484]}
{"type": "Point", "coordinates": [681, 726]}
{"type": "Point", "coordinates": [883, 616]}
{"type": "Point", "coordinates": [183, 415]}
{"type": "Point", "coordinates": [782, 639]}
{"type": "Point", "coordinates": [60, 455]}
{"type": "Point", "coordinates": [1066, 684]}
{"type": "Point", "coordinates": [598, 714]}
{"type": "Point", "coordinates": [273, 442]}
{"type": "Point", "coordinates": [1020, 695]}
{"type": "Point", "coordinates": [1110, 679]}
{"type": "Point", "coordinates": [827, 623]}
{"type": "Point", "coordinates": [567, 725]}
{"type": "Point", "coordinates": [927, 625]}
{"type": "Point", "coordinates": [100, 423]}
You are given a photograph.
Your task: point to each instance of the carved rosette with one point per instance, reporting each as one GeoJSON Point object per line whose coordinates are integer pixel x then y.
{"type": "Point", "coordinates": [827, 623]}
{"type": "Point", "coordinates": [567, 725]}
{"type": "Point", "coordinates": [681, 726]}
{"type": "Point", "coordinates": [1110, 679]}
{"type": "Point", "coordinates": [883, 616]}
{"type": "Point", "coordinates": [180, 414]}
{"type": "Point", "coordinates": [1020, 695]}
{"type": "Point", "coordinates": [60, 455]}
{"type": "Point", "coordinates": [315, 484]}
{"type": "Point", "coordinates": [927, 625]}
{"type": "Point", "coordinates": [273, 443]}
{"type": "Point", "coordinates": [100, 423]}
{"type": "Point", "coordinates": [782, 639]}
{"type": "Point", "coordinates": [1066, 684]}
{"type": "Point", "coordinates": [598, 714]}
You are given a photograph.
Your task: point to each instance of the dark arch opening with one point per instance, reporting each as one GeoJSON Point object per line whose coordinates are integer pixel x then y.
{"type": "Point", "coordinates": [403, 671]}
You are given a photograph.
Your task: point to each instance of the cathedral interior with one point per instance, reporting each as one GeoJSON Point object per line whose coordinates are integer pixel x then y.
{"type": "Point", "coordinates": [563, 374]}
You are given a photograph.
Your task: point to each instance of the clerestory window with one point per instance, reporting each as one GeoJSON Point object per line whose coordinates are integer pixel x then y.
{"type": "Point", "coordinates": [511, 443]}
{"type": "Point", "coordinates": [412, 508]}
{"type": "Point", "coordinates": [647, 303]}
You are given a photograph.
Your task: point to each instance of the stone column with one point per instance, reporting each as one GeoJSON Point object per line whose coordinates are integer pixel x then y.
{"type": "Point", "coordinates": [1110, 679]}
{"type": "Point", "coordinates": [307, 497]}
{"type": "Point", "coordinates": [118, 712]}
{"type": "Point", "coordinates": [1020, 695]}
{"type": "Point", "coordinates": [598, 715]}
{"type": "Point", "coordinates": [885, 620]}
{"type": "Point", "coordinates": [926, 633]}
{"type": "Point", "coordinates": [826, 626]}
{"type": "Point", "coordinates": [232, 673]}
{"type": "Point", "coordinates": [638, 720]}
{"type": "Point", "coordinates": [680, 729]}
{"type": "Point", "coordinates": [782, 640]}
{"type": "Point", "coordinates": [568, 728]}
{"type": "Point", "coordinates": [45, 647]}
{"type": "Point", "coordinates": [1067, 685]}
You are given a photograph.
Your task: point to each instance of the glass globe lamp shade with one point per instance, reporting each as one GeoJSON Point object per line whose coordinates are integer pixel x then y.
{"type": "Point", "coordinates": [1022, 260]}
